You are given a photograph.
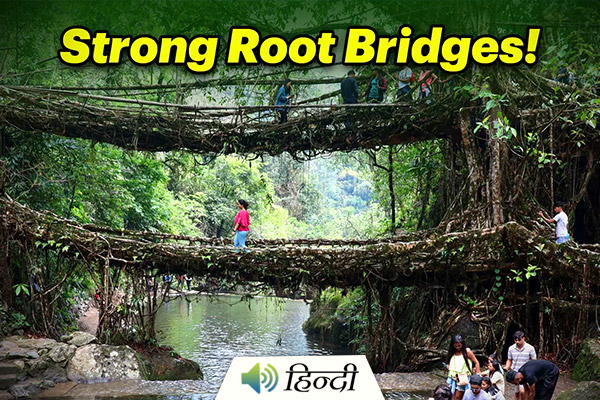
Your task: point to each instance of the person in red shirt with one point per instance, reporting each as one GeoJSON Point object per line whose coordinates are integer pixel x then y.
{"type": "Point", "coordinates": [240, 232]}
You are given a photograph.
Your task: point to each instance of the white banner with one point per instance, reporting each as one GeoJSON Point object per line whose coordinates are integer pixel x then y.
{"type": "Point", "coordinates": [307, 377]}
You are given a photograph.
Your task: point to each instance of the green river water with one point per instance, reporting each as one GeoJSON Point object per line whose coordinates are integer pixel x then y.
{"type": "Point", "coordinates": [212, 331]}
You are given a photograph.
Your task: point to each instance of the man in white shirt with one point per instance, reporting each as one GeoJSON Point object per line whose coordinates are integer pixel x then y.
{"type": "Point", "coordinates": [562, 223]}
{"type": "Point", "coordinates": [518, 354]}
{"type": "Point", "coordinates": [405, 77]}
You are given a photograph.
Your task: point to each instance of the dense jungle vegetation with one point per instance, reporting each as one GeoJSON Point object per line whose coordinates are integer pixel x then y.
{"type": "Point", "coordinates": [360, 194]}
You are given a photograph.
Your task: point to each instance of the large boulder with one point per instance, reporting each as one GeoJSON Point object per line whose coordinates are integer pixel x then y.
{"type": "Point", "coordinates": [588, 362]}
{"type": "Point", "coordinates": [102, 363]}
{"type": "Point", "coordinates": [81, 338]}
{"type": "Point", "coordinates": [583, 391]}
{"type": "Point", "coordinates": [161, 364]}
{"type": "Point", "coordinates": [61, 353]}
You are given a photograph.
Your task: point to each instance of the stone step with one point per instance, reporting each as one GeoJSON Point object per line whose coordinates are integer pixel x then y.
{"type": "Point", "coordinates": [7, 381]}
{"type": "Point", "coordinates": [7, 368]}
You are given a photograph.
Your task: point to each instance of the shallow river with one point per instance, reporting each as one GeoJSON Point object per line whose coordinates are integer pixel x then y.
{"type": "Point", "coordinates": [212, 331]}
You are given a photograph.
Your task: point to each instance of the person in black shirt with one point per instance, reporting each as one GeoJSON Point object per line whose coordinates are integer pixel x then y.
{"type": "Point", "coordinates": [349, 89]}
{"type": "Point", "coordinates": [539, 377]}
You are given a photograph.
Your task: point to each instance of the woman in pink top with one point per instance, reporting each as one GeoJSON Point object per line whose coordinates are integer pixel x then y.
{"type": "Point", "coordinates": [242, 222]}
{"type": "Point", "coordinates": [426, 79]}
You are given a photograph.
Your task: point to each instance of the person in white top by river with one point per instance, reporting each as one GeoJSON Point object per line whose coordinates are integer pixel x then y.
{"type": "Point", "coordinates": [562, 222]}
{"type": "Point", "coordinates": [518, 355]}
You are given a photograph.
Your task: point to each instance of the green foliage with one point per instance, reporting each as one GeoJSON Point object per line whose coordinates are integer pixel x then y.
{"type": "Point", "coordinates": [416, 172]}
{"type": "Point", "coordinates": [468, 300]}
{"type": "Point", "coordinates": [21, 287]}
{"type": "Point", "coordinates": [529, 272]}
{"type": "Point", "coordinates": [340, 319]}
{"type": "Point", "coordinates": [10, 322]}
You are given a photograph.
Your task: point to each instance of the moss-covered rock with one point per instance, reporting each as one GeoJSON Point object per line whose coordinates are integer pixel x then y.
{"type": "Point", "coordinates": [163, 364]}
{"type": "Point", "coordinates": [588, 362]}
{"type": "Point", "coordinates": [583, 391]}
{"type": "Point", "coordinates": [103, 363]}
{"type": "Point", "coordinates": [324, 322]}
{"type": "Point", "coordinates": [334, 317]}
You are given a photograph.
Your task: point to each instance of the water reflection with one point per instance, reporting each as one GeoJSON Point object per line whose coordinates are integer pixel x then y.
{"type": "Point", "coordinates": [212, 331]}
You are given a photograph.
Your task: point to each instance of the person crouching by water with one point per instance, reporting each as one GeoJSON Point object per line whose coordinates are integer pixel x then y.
{"type": "Point", "coordinates": [538, 377]}
{"type": "Point", "coordinates": [242, 222]}
{"type": "Point", "coordinates": [462, 363]}
{"type": "Point", "coordinates": [283, 98]}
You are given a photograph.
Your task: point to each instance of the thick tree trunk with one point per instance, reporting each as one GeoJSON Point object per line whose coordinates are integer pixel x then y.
{"type": "Point", "coordinates": [473, 163]}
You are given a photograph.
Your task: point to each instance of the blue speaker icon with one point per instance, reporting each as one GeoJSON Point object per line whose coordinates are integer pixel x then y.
{"type": "Point", "coordinates": [268, 378]}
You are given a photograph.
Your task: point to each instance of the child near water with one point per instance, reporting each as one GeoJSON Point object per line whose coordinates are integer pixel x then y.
{"type": "Point", "coordinates": [441, 392]}
{"type": "Point", "coordinates": [486, 385]}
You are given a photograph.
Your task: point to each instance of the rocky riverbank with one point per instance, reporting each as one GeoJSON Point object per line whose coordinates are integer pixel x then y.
{"type": "Point", "coordinates": [587, 371]}
{"type": "Point", "coordinates": [28, 365]}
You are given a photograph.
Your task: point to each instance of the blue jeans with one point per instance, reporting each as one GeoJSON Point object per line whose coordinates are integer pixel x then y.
{"type": "Point", "coordinates": [454, 387]}
{"type": "Point", "coordinates": [239, 241]}
{"type": "Point", "coordinates": [402, 92]}
{"type": "Point", "coordinates": [562, 239]}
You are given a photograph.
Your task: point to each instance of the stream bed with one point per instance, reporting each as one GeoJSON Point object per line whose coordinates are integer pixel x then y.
{"type": "Point", "coordinates": [212, 331]}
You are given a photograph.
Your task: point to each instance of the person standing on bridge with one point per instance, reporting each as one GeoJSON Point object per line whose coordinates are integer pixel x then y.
{"type": "Point", "coordinates": [426, 78]}
{"type": "Point", "coordinates": [562, 223]}
{"type": "Point", "coordinates": [376, 87]}
{"type": "Point", "coordinates": [405, 78]}
{"type": "Point", "coordinates": [242, 222]}
{"type": "Point", "coordinates": [283, 98]}
{"type": "Point", "coordinates": [349, 88]}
